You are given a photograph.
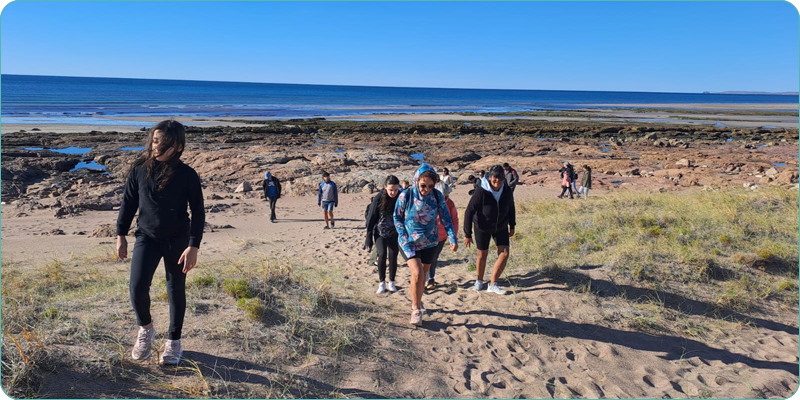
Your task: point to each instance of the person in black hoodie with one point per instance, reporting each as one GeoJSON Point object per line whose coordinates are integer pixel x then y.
{"type": "Point", "coordinates": [159, 187]}
{"type": "Point", "coordinates": [492, 212]}
{"type": "Point", "coordinates": [380, 227]}
{"type": "Point", "coordinates": [272, 192]}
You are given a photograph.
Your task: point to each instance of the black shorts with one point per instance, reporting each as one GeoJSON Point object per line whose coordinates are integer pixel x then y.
{"type": "Point", "coordinates": [500, 238]}
{"type": "Point", "coordinates": [426, 256]}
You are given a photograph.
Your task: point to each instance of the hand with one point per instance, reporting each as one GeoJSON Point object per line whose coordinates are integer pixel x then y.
{"type": "Point", "coordinates": [454, 247]}
{"type": "Point", "coordinates": [467, 242]}
{"type": "Point", "coordinates": [188, 259]}
{"type": "Point", "coordinates": [511, 233]}
{"type": "Point", "coordinates": [368, 249]}
{"type": "Point", "coordinates": [122, 247]}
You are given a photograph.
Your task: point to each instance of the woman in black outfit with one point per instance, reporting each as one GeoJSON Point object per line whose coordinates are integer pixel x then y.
{"type": "Point", "coordinates": [380, 226]}
{"type": "Point", "coordinates": [160, 186]}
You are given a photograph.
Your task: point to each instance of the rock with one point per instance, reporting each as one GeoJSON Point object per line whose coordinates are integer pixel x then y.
{"type": "Point", "coordinates": [765, 180]}
{"type": "Point", "coordinates": [771, 172]}
{"type": "Point", "coordinates": [787, 177]}
{"type": "Point", "coordinates": [61, 211]}
{"type": "Point", "coordinates": [748, 185]}
{"type": "Point", "coordinates": [651, 136]}
{"type": "Point", "coordinates": [631, 172]}
{"type": "Point", "coordinates": [105, 231]}
{"type": "Point", "coordinates": [54, 232]}
{"type": "Point", "coordinates": [213, 196]}
{"type": "Point", "coordinates": [243, 188]}
{"type": "Point", "coordinates": [683, 162]}
{"type": "Point", "coordinates": [101, 159]}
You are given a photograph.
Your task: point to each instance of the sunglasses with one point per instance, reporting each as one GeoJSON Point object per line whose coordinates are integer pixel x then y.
{"type": "Point", "coordinates": [424, 186]}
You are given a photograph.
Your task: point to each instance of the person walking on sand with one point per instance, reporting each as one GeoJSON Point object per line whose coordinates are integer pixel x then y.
{"type": "Point", "coordinates": [492, 213]}
{"type": "Point", "coordinates": [566, 180]}
{"type": "Point", "coordinates": [476, 184]}
{"type": "Point", "coordinates": [272, 192]}
{"type": "Point", "coordinates": [380, 226]}
{"type": "Point", "coordinates": [328, 198]}
{"type": "Point", "coordinates": [586, 181]}
{"type": "Point", "coordinates": [415, 216]}
{"type": "Point", "coordinates": [159, 187]}
{"type": "Point", "coordinates": [511, 176]}
{"type": "Point", "coordinates": [574, 176]}
{"type": "Point", "coordinates": [431, 275]}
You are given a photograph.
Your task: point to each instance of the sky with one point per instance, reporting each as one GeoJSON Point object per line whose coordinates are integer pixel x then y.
{"type": "Point", "coordinates": [615, 46]}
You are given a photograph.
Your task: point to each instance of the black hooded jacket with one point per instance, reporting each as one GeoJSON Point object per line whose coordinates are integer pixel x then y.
{"type": "Point", "coordinates": [487, 215]}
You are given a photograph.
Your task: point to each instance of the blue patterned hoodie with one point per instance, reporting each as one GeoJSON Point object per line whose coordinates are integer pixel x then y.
{"type": "Point", "coordinates": [415, 218]}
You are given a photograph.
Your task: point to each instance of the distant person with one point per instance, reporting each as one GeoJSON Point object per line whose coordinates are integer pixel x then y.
{"type": "Point", "coordinates": [574, 176]}
{"type": "Point", "coordinates": [586, 181]}
{"type": "Point", "coordinates": [158, 182]}
{"type": "Point", "coordinates": [380, 226]}
{"type": "Point", "coordinates": [566, 180]}
{"type": "Point", "coordinates": [491, 212]}
{"type": "Point", "coordinates": [272, 192]}
{"type": "Point", "coordinates": [476, 183]}
{"type": "Point", "coordinates": [481, 174]}
{"type": "Point", "coordinates": [446, 178]}
{"type": "Point", "coordinates": [415, 217]}
{"type": "Point", "coordinates": [431, 275]}
{"type": "Point", "coordinates": [328, 198]}
{"type": "Point", "coordinates": [511, 176]}
{"type": "Point", "coordinates": [405, 184]}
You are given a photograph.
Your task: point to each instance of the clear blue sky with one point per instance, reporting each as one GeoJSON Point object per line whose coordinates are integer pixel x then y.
{"type": "Point", "coordinates": [625, 46]}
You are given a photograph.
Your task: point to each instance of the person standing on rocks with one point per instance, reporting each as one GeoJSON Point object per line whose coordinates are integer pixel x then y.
{"type": "Point", "coordinates": [586, 181]}
{"type": "Point", "coordinates": [446, 178]}
{"type": "Point", "coordinates": [492, 213]}
{"type": "Point", "coordinates": [328, 198]}
{"type": "Point", "coordinates": [272, 192]}
{"type": "Point", "coordinates": [380, 226]}
{"type": "Point", "coordinates": [415, 216]}
{"type": "Point", "coordinates": [566, 180]}
{"type": "Point", "coordinates": [511, 176]}
{"type": "Point", "coordinates": [159, 187]}
{"type": "Point", "coordinates": [431, 275]}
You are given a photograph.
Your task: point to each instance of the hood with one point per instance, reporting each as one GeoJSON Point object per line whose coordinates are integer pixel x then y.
{"type": "Point", "coordinates": [422, 168]}
{"type": "Point", "coordinates": [485, 184]}
{"type": "Point", "coordinates": [267, 175]}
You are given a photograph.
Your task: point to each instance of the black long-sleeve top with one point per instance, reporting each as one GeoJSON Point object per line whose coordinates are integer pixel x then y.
{"type": "Point", "coordinates": [162, 214]}
{"type": "Point", "coordinates": [488, 214]}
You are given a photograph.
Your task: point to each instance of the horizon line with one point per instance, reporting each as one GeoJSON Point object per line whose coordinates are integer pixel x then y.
{"type": "Point", "coordinates": [732, 92]}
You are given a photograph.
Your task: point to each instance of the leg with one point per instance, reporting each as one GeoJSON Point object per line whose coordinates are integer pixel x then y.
{"type": "Point", "coordinates": [326, 218]}
{"type": "Point", "coordinates": [176, 285]}
{"type": "Point", "coordinates": [482, 256]}
{"type": "Point", "coordinates": [272, 202]}
{"type": "Point", "coordinates": [431, 275]}
{"type": "Point", "coordinates": [144, 261]}
{"type": "Point", "coordinates": [393, 248]}
{"type": "Point", "coordinates": [563, 190]}
{"type": "Point", "coordinates": [416, 268]}
{"type": "Point", "coordinates": [331, 213]}
{"type": "Point", "coordinates": [500, 264]}
{"type": "Point", "coordinates": [585, 193]}
{"type": "Point", "coordinates": [381, 246]}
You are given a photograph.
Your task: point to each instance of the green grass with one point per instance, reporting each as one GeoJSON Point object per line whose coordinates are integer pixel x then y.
{"type": "Point", "coordinates": [723, 239]}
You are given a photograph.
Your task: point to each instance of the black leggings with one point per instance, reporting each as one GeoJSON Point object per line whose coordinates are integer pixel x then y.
{"type": "Point", "coordinates": [565, 189]}
{"type": "Point", "coordinates": [432, 271]}
{"type": "Point", "coordinates": [384, 246]}
{"type": "Point", "coordinates": [147, 252]}
{"type": "Point", "coordinates": [272, 201]}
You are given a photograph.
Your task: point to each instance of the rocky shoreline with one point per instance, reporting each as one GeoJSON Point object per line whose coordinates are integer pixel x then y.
{"type": "Point", "coordinates": [360, 154]}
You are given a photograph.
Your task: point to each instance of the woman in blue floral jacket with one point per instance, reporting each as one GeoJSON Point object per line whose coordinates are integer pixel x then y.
{"type": "Point", "coordinates": [418, 232]}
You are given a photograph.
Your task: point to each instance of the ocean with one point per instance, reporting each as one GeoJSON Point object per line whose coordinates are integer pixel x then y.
{"type": "Point", "coordinates": [75, 100]}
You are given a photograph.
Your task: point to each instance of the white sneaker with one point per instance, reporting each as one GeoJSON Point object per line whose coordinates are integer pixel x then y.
{"type": "Point", "coordinates": [381, 288]}
{"type": "Point", "coordinates": [478, 285]}
{"type": "Point", "coordinates": [143, 348]}
{"type": "Point", "coordinates": [172, 353]}
{"type": "Point", "coordinates": [495, 289]}
{"type": "Point", "coordinates": [391, 287]}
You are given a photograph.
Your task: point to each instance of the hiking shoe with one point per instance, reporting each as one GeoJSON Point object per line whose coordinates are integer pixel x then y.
{"type": "Point", "coordinates": [326, 227]}
{"type": "Point", "coordinates": [333, 225]}
{"type": "Point", "coordinates": [143, 348]}
{"type": "Point", "coordinates": [376, 263]}
{"type": "Point", "coordinates": [391, 287]}
{"type": "Point", "coordinates": [495, 289]}
{"type": "Point", "coordinates": [381, 288]}
{"type": "Point", "coordinates": [431, 285]}
{"type": "Point", "coordinates": [478, 285]}
{"type": "Point", "coordinates": [416, 317]}
{"type": "Point", "coordinates": [172, 353]}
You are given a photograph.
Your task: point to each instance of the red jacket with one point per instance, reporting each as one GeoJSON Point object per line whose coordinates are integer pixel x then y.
{"type": "Point", "coordinates": [453, 215]}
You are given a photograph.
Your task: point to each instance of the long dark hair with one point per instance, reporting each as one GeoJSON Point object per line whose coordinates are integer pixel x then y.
{"type": "Point", "coordinates": [173, 135]}
{"type": "Point", "coordinates": [388, 203]}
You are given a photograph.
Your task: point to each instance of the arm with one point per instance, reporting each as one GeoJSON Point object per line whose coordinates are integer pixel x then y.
{"type": "Point", "coordinates": [265, 187]}
{"type": "Point", "coordinates": [319, 195]}
{"type": "Point", "coordinates": [447, 221]}
{"type": "Point", "coordinates": [372, 220]}
{"type": "Point", "coordinates": [514, 177]}
{"type": "Point", "coordinates": [195, 197]}
{"type": "Point", "coordinates": [454, 216]}
{"type": "Point", "coordinates": [400, 224]}
{"type": "Point", "coordinates": [512, 214]}
{"type": "Point", "coordinates": [335, 195]}
{"type": "Point", "coordinates": [470, 211]}
{"type": "Point", "coordinates": [127, 209]}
